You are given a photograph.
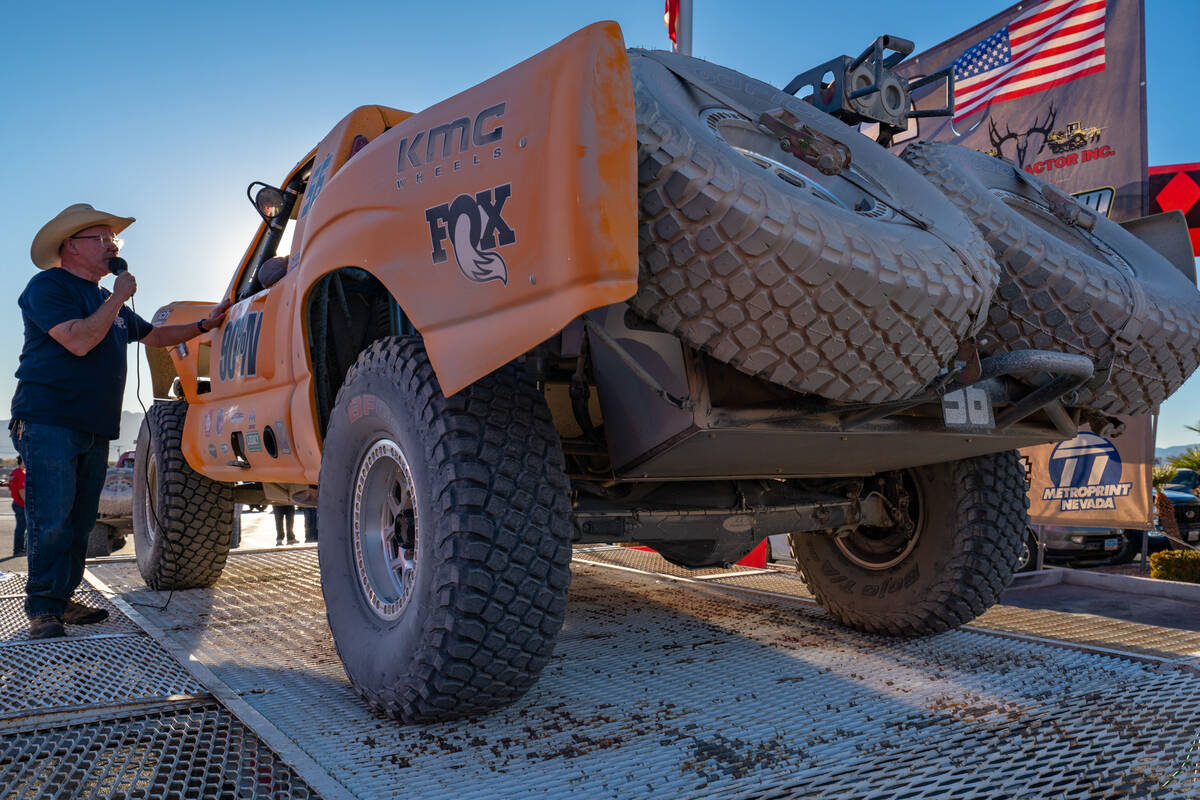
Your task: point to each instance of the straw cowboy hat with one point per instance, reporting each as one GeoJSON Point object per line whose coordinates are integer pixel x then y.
{"type": "Point", "coordinates": [70, 221]}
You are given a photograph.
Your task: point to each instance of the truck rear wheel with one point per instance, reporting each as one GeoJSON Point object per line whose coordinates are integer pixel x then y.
{"type": "Point", "coordinates": [823, 284]}
{"type": "Point", "coordinates": [967, 522]}
{"type": "Point", "coordinates": [445, 535]}
{"type": "Point", "coordinates": [182, 521]}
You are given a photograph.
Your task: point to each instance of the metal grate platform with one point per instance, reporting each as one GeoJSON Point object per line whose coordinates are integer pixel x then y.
{"type": "Point", "coordinates": [200, 753]}
{"type": "Point", "coordinates": [660, 687]}
{"type": "Point", "coordinates": [14, 625]}
{"type": "Point", "coordinates": [97, 671]}
{"type": "Point", "coordinates": [106, 712]}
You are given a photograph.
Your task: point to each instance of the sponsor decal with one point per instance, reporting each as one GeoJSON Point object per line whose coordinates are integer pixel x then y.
{"type": "Point", "coordinates": [220, 420]}
{"type": "Point", "coordinates": [212, 451]}
{"type": "Point", "coordinates": [181, 348]}
{"type": "Point", "coordinates": [1085, 474]}
{"type": "Point", "coordinates": [1073, 137]}
{"type": "Point", "coordinates": [239, 346]}
{"type": "Point", "coordinates": [432, 153]}
{"type": "Point", "coordinates": [224, 447]}
{"type": "Point", "coordinates": [362, 405]}
{"type": "Point", "coordinates": [1073, 145]}
{"type": "Point", "coordinates": [160, 316]}
{"type": "Point", "coordinates": [1098, 200]}
{"type": "Point", "coordinates": [1014, 145]}
{"type": "Point", "coordinates": [237, 418]}
{"type": "Point", "coordinates": [474, 226]}
{"type": "Point", "coordinates": [251, 420]}
{"type": "Point", "coordinates": [281, 438]}
{"type": "Point", "coordinates": [208, 422]}
{"type": "Point", "coordinates": [316, 183]}
{"type": "Point", "coordinates": [253, 442]}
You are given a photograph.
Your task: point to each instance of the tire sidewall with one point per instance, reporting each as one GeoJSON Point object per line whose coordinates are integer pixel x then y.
{"type": "Point", "coordinates": [903, 185]}
{"type": "Point", "coordinates": [986, 174]}
{"type": "Point", "coordinates": [149, 446]}
{"type": "Point", "coordinates": [374, 651]}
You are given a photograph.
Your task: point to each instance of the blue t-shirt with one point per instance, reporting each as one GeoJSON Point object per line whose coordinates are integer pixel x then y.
{"type": "Point", "coordinates": [55, 387]}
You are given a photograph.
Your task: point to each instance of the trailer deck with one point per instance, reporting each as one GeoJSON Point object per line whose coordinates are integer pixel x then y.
{"type": "Point", "coordinates": [708, 683]}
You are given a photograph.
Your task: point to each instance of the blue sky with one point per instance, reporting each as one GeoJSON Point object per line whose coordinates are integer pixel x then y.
{"type": "Point", "coordinates": [166, 111]}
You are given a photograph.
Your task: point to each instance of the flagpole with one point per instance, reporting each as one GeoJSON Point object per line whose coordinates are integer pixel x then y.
{"type": "Point", "coordinates": [683, 28]}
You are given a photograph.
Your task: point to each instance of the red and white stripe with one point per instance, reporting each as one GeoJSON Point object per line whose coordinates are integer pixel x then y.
{"type": "Point", "coordinates": [1052, 43]}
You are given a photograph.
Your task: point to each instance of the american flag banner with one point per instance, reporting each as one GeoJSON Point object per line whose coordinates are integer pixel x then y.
{"type": "Point", "coordinates": [1051, 43]}
{"type": "Point", "coordinates": [1057, 87]}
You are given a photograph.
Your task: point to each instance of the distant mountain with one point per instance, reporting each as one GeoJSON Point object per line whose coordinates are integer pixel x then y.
{"type": "Point", "coordinates": [131, 423]}
{"type": "Point", "coordinates": [1163, 453]}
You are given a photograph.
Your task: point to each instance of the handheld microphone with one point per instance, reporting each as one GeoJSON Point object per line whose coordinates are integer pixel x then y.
{"type": "Point", "coordinates": [117, 265]}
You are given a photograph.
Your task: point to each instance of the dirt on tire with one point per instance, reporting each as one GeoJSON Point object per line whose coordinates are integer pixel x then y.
{"type": "Point", "coordinates": [490, 545]}
{"type": "Point", "coordinates": [1102, 293]}
{"type": "Point", "coordinates": [974, 514]}
{"type": "Point", "coordinates": [183, 523]}
{"type": "Point", "coordinates": [812, 282]}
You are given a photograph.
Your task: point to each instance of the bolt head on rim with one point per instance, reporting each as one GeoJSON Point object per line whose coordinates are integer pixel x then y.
{"type": "Point", "coordinates": [384, 529]}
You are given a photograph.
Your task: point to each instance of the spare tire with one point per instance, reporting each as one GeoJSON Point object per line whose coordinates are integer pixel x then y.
{"type": "Point", "coordinates": [856, 287]}
{"type": "Point", "coordinates": [1101, 293]}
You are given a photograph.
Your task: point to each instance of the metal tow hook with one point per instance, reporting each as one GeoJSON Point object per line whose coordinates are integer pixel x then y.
{"type": "Point", "coordinates": [825, 153]}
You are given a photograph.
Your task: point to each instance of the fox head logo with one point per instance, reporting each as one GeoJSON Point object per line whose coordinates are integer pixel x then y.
{"type": "Point", "coordinates": [474, 226]}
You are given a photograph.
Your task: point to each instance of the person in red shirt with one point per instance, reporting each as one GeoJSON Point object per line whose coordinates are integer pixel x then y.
{"type": "Point", "coordinates": [16, 486]}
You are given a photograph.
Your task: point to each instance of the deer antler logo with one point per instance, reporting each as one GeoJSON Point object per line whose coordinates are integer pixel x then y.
{"type": "Point", "coordinates": [1021, 140]}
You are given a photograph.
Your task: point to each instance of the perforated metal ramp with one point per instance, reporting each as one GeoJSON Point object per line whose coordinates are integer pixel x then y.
{"type": "Point", "coordinates": [663, 685]}
{"type": "Point", "coordinates": [107, 712]}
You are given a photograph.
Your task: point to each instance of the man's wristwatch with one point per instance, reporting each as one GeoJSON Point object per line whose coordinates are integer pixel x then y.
{"type": "Point", "coordinates": [200, 326]}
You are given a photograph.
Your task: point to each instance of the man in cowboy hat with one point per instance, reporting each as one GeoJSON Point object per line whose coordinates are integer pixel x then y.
{"type": "Point", "coordinates": [70, 382]}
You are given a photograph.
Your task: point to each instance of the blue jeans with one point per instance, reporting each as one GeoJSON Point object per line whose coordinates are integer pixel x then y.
{"type": "Point", "coordinates": [19, 531]}
{"type": "Point", "coordinates": [64, 475]}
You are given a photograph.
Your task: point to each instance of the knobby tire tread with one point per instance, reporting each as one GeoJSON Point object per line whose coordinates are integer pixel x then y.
{"type": "Point", "coordinates": [195, 512]}
{"type": "Point", "coordinates": [790, 288]}
{"type": "Point", "coordinates": [990, 514]}
{"type": "Point", "coordinates": [503, 545]}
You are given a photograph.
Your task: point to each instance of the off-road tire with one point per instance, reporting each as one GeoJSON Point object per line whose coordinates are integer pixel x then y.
{"type": "Point", "coordinates": [492, 536]}
{"type": "Point", "coordinates": [975, 517]}
{"type": "Point", "coordinates": [1069, 290]}
{"type": "Point", "coordinates": [1027, 560]}
{"type": "Point", "coordinates": [183, 523]}
{"type": "Point", "coordinates": [766, 275]}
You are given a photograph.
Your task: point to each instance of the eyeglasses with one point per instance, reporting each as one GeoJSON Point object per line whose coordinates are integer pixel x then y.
{"type": "Point", "coordinates": [106, 240]}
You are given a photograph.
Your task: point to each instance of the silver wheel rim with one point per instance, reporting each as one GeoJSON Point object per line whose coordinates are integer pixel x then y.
{"type": "Point", "coordinates": [151, 495]}
{"type": "Point", "coordinates": [878, 550]}
{"type": "Point", "coordinates": [384, 529]}
{"type": "Point", "coordinates": [717, 118]}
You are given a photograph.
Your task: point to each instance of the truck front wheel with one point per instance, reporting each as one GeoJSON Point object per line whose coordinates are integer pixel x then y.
{"type": "Point", "coordinates": [445, 535]}
{"type": "Point", "coordinates": [960, 528]}
{"type": "Point", "coordinates": [182, 521]}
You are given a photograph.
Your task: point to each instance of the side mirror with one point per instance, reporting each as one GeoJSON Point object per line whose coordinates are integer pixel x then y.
{"type": "Point", "coordinates": [268, 200]}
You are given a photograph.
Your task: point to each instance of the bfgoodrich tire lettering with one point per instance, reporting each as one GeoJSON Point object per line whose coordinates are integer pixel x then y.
{"type": "Point", "coordinates": [804, 280]}
{"type": "Point", "coordinates": [972, 526]}
{"type": "Point", "coordinates": [479, 560]}
{"type": "Point", "coordinates": [182, 521]}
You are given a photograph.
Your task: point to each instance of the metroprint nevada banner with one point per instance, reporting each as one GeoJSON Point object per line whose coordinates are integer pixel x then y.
{"type": "Point", "coordinates": [1058, 87]}
{"type": "Point", "coordinates": [1093, 481]}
